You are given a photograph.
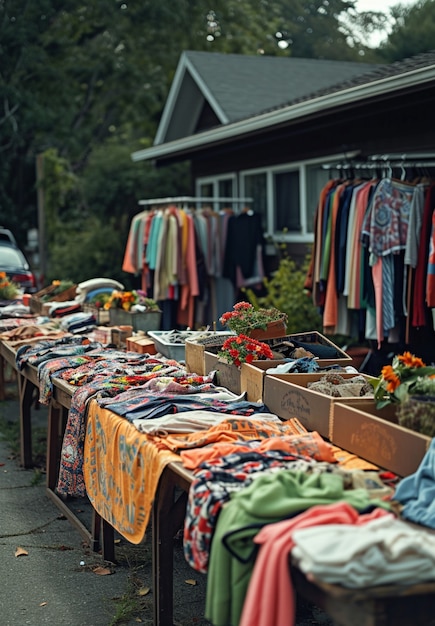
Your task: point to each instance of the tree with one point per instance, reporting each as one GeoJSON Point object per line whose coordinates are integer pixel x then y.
{"type": "Point", "coordinates": [412, 31]}
{"type": "Point", "coordinates": [85, 83]}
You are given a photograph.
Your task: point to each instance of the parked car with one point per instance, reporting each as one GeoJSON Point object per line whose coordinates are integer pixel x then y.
{"type": "Point", "coordinates": [6, 235]}
{"type": "Point", "coordinates": [14, 263]}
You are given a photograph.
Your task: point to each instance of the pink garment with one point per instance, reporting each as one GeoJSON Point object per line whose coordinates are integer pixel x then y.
{"type": "Point", "coordinates": [270, 596]}
{"type": "Point", "coordinates": [361, 203]}
{"type": "Point", "coordinates": [190, 290]}
{"type": "Point", "coordinates": [377, 284]}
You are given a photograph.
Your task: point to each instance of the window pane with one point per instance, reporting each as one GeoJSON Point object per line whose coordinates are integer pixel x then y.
{"type": "Point", "coordinates": [317, 177]}
{"type": "Point", "coordinates": [256, 188]}
{"type": "Point", "coordinates": [287, 202]}
{"type": "Point", "coordinates": [206, 190]}
{"type": "Point", "coordinates": [226, 188]}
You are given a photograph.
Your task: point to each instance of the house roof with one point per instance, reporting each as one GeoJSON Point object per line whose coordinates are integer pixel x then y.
{"type": "Point", "coordinates": [381, 80]}
{"type": "Point", "coordinates": [238, 86]}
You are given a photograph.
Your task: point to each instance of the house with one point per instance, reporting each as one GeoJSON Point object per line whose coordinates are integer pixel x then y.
{"type": "Point", "coordinates": [276, 129]}
{"type": "Point", "coordinates": [267, 127]}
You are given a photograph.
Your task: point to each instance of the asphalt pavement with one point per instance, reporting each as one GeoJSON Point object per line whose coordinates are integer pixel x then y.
{"type": "Point", "coordinates": [48, 573]}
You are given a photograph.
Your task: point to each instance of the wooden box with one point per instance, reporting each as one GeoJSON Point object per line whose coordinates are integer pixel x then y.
{"type": "Point", "coordinates": [36, 303]}
{"type": "Point", "coordinates": [195, 350]}
{"type": "Point", "coordinates": [326, 351]}
{"type": "Point", "coordinates": [287, 396]}
{"type": "Point", "coordinates": [370, 434]}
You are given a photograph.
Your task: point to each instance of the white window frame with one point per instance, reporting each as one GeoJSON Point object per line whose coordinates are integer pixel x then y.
{"type": "Point", "coordinates": [214, 181]}
{"type": "Point", "coordinates": [295, 166]}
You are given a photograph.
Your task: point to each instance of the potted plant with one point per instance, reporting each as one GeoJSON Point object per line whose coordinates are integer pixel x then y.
{"type": "Point", "coordinates": [133, 308]}
{"type": "Point", "coordinates": [243, 349]}
{"type": "Point", "coordinates": [257, 323]}
{"type": "Point", "coordinates": [409, 384]}
{"type": "Point", "coordinates": [8, 289]}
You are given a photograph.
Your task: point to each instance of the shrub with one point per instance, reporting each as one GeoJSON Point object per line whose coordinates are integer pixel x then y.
{"type": "Point", "coordinates": [285, 291]}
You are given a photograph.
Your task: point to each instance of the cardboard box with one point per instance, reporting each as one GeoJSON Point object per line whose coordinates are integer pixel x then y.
{"type": "Point", "coordinates": [141, 345]}
{"type": "Point", "coordinates": [317, 344]}
{"type": "Point", "coordinates": [373, 437]}
{"type": "Point", "coordinates": [120, 334]}
{"type": "Point", "coordinates": [227, 375]}
{"type": "Point", "coordinates": [252, 377]}
{"type": "Point", "coordinates": [103, 334]}
{"type": "Point", "coordinates": [194, 351]}
{"type": "Point", "coordinates": [287, 396]}
{"type": "Point", "coordinates": [101, 315]}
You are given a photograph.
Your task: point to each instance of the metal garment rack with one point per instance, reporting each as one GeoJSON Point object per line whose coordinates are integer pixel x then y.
{"type": "Point", "coordinates": [387, 162]}
{"type": "Point", "coordinates": [187, 201]}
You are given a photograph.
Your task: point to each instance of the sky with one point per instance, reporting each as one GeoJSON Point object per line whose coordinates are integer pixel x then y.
{"type": "Point", "coordinates": [381, 6]}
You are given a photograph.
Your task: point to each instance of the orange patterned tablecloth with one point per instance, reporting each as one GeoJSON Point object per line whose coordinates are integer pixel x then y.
{"type": "Point", "coordinates": [121, 471]}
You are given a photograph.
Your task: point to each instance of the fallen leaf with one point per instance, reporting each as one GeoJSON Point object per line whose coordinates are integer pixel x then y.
{"type": "Point", "coordinates": [43, 604]}
{"type": "Point", "coordinates": [144, 591]}
{"type": "Point", "coordinates": [190, 581]}
{"type": "Point", "coordinates": [102, 571]}
{"type": "Point", "coordinates": [21, 552]}
{"type": "Point", "coordinates": [117, 541]}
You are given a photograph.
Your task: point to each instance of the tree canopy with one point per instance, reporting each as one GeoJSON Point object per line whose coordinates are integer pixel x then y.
{"type": "Point", "coordinates": [85, 84]}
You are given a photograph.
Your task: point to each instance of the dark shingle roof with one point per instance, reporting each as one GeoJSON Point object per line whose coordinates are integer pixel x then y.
{"type": "Point", "coordinates": [378, 72]}
{"type": "Point", "coordinates": [244, 86]}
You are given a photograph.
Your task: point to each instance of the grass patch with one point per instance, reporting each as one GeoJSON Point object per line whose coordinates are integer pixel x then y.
{"type": "Point", "coordinates": [132, 603]}
{"type": "Point", "coordinates": [37, 479]}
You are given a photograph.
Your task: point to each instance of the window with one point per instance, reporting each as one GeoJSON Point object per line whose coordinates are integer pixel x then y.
{"type": "Point", "coordinates": [317, 177]}
{"type": "Point", "coordinates": [285, 196]}
{"type": "Point", "coordinates": [287, 202]}
{"type": "Point", "coordinates": [218, 187]}
{"type": "Point", "coordinates": [255, 187]}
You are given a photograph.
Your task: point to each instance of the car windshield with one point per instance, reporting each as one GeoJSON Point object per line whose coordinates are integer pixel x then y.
{"type": "Point", "coordinates": [10, 257]}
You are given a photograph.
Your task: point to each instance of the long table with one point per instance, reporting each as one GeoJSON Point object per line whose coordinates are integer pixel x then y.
{"type": "Point", "coordinates": [28, 392]}
{"type": "Point", "coordinates": [388, 605]}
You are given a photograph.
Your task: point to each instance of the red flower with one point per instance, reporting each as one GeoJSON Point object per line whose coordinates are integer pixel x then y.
{"type": "Point", "coordinates": [242, 349]}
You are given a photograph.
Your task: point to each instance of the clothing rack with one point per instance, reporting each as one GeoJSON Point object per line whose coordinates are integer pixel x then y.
{"type": "Point", "coordinates": [414, 160]}
{"type": "Point", "coordinates": [188, 200]}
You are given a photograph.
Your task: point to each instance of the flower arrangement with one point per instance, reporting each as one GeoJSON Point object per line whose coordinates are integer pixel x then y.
{"type": "Point", "coordinates": [134, 300]}
{"type": "Point", "coordinates": [242, 349]}
{"type": "Point", "coordinates": [8, 289]}
{"type": "Point", "coordinates": [407, 376]}
{"type": "Point", "coordinates": [244, 318]}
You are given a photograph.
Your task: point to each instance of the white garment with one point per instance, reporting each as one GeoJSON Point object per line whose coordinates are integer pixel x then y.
{"type": "Point", "coordinates": [384, 551]}
{"type": "Point", "coordinates": [192, 421]}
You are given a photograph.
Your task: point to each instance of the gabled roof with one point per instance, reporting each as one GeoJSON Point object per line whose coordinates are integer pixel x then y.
{"type": "Point", "coordinates": [383, 81]}
{"type": "Point", "coordinates": [238, 86]}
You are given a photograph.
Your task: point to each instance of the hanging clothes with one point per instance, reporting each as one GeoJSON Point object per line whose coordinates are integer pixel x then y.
{"type": "Point", "coordinates": [373, 254]}
{"type": "Point", "coordinates": [180, 254]}
{"type": "Point", "coordinates": [243, 248]}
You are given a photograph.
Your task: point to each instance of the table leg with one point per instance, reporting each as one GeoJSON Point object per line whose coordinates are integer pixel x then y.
{"type": "Point", "coordinates": [54, 445]}
{"type": "Point", "coordinates": [26, 394]}
{"type": "Point", "coordinates": [2, 378]}
{"type": "Point", "coordinates": [167, 518]}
